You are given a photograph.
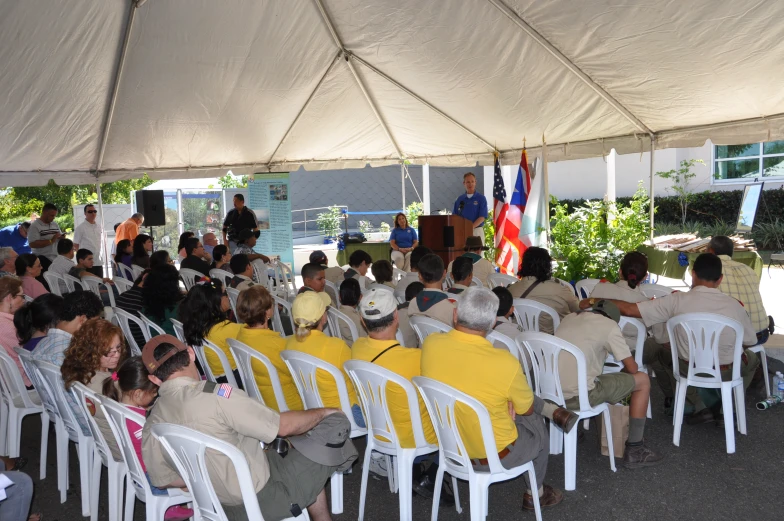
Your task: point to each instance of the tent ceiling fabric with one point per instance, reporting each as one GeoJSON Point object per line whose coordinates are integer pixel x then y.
{"type": "Point", "coordinates": [211, 86]}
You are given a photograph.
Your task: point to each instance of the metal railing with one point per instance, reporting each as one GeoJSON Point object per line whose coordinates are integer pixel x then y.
{"type": "Point", "coordinates": [313, 212]}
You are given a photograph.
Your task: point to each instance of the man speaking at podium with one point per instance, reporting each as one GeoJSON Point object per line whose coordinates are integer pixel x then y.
{"type": "Point", "coordinates": [472, 205]}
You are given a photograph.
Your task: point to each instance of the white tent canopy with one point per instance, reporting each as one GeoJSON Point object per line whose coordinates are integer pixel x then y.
{"type": "Point", "coordinates": [193, 88]}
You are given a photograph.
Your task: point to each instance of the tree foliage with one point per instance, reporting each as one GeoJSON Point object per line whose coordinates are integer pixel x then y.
{"type": "Point", "coordinates": [681, 184]}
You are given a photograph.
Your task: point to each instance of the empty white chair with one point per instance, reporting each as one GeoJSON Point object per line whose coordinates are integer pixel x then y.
{"type": "Point", "coordinates": [528, 313]}
{"type": "Point", "coordinates": [303, 369]}
{"type": "Point", "coordinates": [189, 277]}
{"type": "Point", "coordinates": [122, 285]}
{"type": "Point", "coordinates": [441, 400]}
{"type": "Point", "coordinates": [424, 326]}
{"type": "Point", "coordinates": [566, 285]}
{"type": "Point", "coordinates": [102, 456]}
{"type": "Point", "coordinates": [584, 287]}
{"type": "Point", "coordinates": [702, 332]}
{"type": "Point", "coordinates": [16, 402]}
{"type": "Point", "coordinates": [138, 487]}
{"type": "Point", "coordinates": [370, 381]}
{"type": "Point", "coordinates": [284, 279]}
{"type": "Point", "coordinates": [150, 328]}
{"type": "Point", "coordinates": [187, 449]}
{"type": "Point", "coordinates": [500, 279]}
{"type": "Point", "coordinates": [278, 317]}
{"type": "Point", "coordinates": [222, 275]}
{"type": "Point", "coordinates": [245, 356]}
{"type": "Point", "coordinates": [544, 351]}
{"type": "Point", "coordinates": [94, 284]}
{"type": "Point", "coordinates": [124, 319]}
{"type": "Point", "coordinates": [136, 270]}
{"type": "Point", "coordinates": [55, 282]}
{"type": "Point", "coordinates": [49, 413]}
{"type": "Point", "coordinates": [655, 290]}
{"type": "Point", "coordinates": [224, 360]}
{"type": "Point", "coordinates": [336, 318]}
{"type": "Point", "coordinates": [233, 294]}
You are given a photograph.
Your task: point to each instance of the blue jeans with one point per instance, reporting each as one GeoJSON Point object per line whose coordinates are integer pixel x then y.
{"type": "Point", "coordinates": [763, 336]}
{"type": "Point", "coordinates": [16, 507]}
{"type": "Point", "coordinates": [155, 490]}
{"type": "Point", "coordinates": [356, 410]}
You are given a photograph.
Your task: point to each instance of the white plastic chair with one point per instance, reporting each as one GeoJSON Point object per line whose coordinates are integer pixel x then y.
{"type": "Point", "coordinates": [69, 429]}
{"type": "Point", "coordinates": [188, 450]}
{"type": "Point", "coordinates": [124, 319]}
{"type": "Point", "coordinates": [124, 271]}
{"type": "Point", "coordinates": [224, 360]}
{"type": "Point", "coordinates": [138, 486]}
{"type": "Point", "coordinates": [189, 277]}
{"type": "Point", "coordinates": [759, 349]}
{"type": "Point", "coordinates": [500, 279]}
{"type": "Point", "coordinates": [655, 290]}
{"type": "Point", "coordinates": [584, 287]}
{"type": "Point", "coordinates": [514, 350]}
{"type": "Point", "coordinates": [335, 318]}
{"type": "Point", "coordinates": [245, 356]}
{"type": "Point", "coordinates": [16, 402]}
{"type": "Point", "coordinates": [221, 275]}
{"type": "Point", "coordinates": [122, 285]}
{"type": "Point", "coordinates": [54, 281]}
{"type": "Point", "coordinates": [233, 294]}
{"type": "Point", "coordinates": [303, 369]}
{"type": "Point", "coordinates": [179, 332]}
{"type": "Point", "coordinates": [261, 275]}
{"type": "Point", "coordinates": [544, 351]}
{"type": "Point", "coordinates": [332, 291]}
{"type": "Point", "coordinates": [94, 284]}
{"type": "Point", "coordinates": [441, 400]}
{"type": "Point", "coordinates": [397, 274]}
{"type": "Point", "coordinates": [150, 327]}
{"type": "Point", "coordinates": [424, 326]}
{"type": "Point", "coordinates": [49, 413]}
{"type": "Point", "coordinates": [611, 365]}
{"type": "Point", "coordinates": [72, 283]}
{"type": "Point", "coordinates": [370, 381]}
{"type": "Point", "coordinates": [703, 331]}
{"type": "Point", "coordinates": [277, 318]}
{"type": "Point", "coordinates": [528, 313]}
{"type": "Point", "coordinates": [136, 270]}
{"type": "Point", "coordinates": [285, 278]}
{"type": "Point", "coordinates": [566, 285]}
{"type": "Point", "coordinates": [102, 455]}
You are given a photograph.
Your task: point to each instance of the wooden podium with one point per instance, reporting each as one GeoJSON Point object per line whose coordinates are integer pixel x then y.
{"type": "Point", "coordinates": [445, 235]}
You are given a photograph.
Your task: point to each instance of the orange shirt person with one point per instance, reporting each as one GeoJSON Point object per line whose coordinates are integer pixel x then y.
{"type": "Point", "coordinates": [129, 229]}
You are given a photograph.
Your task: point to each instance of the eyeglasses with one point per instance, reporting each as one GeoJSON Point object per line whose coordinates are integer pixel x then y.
{"type": "Point", "coordinates": [21, 295]}
{"type": "Point", "coordinates": [92, 211]}
{"type": "Point", "coordinates": [112, 352]}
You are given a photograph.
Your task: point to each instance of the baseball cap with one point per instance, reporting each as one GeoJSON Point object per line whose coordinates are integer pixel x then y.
{"type": "Point", "coordinates": [318, 257]}
{"type": "Point", "coordinates": [377, 303]}
{"type": "Point", "coordinates": [328, 442]}
{"type": "Point", "coordinates": [609, 309]}
{"type": "Point", "coordinates": [309, 307]}
{"type": "Point", "coordinates": [148, 352]}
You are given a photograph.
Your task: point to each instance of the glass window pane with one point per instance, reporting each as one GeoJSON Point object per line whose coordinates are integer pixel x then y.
{"type": "Point", "coordinates": [737, 169]}
{"type": "Point", "coordinates": [773, 166]}
{"type": "Point", "coordinates": [773, 147]}
{"type": "Point", "coordinates": [727, 151]}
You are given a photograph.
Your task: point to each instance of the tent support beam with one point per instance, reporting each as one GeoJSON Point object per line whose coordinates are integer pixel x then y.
{"type": "Point", "coordinates": [105, 255]}
{"type": "Point", "coordinates": [305, 106]}
{"type": "Point", "coordinates": [652, 209]}
{"type": "Point", "coordinates": [566, 62]}
{"type": "Point", "coordinates": [425, 103]}
{"type": "Point", "coordinates": [348, 56]}
{"type": "Point", "coordinates": [116, 88]}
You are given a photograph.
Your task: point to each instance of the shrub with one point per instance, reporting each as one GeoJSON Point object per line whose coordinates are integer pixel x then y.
{"type": "Point", "coordinates": [384, 227]}
{"type": "Point", "coordinates": [770, 235]}
{"type": "Point", "coordinates": [413, 211]}
{"type": "Point", "coordinates": [329, 222]}
{"type": "Point", "coordinates": [365, 226]}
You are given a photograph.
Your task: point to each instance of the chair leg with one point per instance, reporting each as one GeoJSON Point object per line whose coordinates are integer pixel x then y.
{"type": "Point", "coordinates": [95, 485]}
{"type": "Point", "coordinates": [532, 480]}
{"type": "Point", "coordinates": [14, 429]}
{"type": "Point", "coordinates": [458, 508]}
{"type": "Point", "coordinates": [363, 487]}
{"type": "Point", "coordinates": [570, 459]}
{"type": "Point", "coordinates": [477, 507]}
{"type": "Point", "coordinates": [130, 497]}
{"type": "Point", "coordinates": [85, 452]}
{"type": "Point", "coordinates": [391, 473]}
{"type": "Point", "coordinates": [405, 461]}
{"type": "Point", "coordinates": [336, 484]}
{"type": "Point", "coordinates": [740, 408]}
{"type": "Point", "coordinates": [437, 493]}
{"type": "Point", "coordinates": [3, 427]}
{"type": "Point", "coordinates": [649, 409]}
{"type": "Point", "coordinates": [61, 442]}
{"type": "Point", "coordinates": [44, 443]}
{"type": "Point", "coordinates": [677, 417]}
{"type": "Point", "coordinates": [764, 359]}
{"type": "Point", "coordinates": [608, 431]}
{"type": "Point", "coordinates": [556, 439]}
{"type": "Point", "coordinates": [729, 418]}
{"type": "Point", "coordinates": [116, 474]}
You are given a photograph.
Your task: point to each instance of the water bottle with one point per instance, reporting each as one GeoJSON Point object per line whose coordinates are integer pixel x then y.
{"type": "Point", "coordinates": [779, 383]}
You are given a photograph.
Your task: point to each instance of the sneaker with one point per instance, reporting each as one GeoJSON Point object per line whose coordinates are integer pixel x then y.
{"type": "Point", "coordinates": [378, 465]}
{"type": "Point", "coordinates": [638, 455]}
{"type": "Point", "coordinates": [178, 513]}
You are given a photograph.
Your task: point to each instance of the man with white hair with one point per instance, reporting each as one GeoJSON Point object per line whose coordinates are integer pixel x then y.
{"type": "Point", "coordinates": [464, 359]}
{"type": "Point", "coordinates": [129, 229]}
{"type": "Point", "coordinates": [8, 259]}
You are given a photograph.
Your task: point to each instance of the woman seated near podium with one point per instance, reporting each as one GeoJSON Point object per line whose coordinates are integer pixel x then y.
{"type": "Point", "coordinates": [403, 240]}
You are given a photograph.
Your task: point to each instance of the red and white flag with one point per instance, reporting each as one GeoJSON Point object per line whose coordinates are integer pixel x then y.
{"type": "Point", "coordinates": [508, 217]}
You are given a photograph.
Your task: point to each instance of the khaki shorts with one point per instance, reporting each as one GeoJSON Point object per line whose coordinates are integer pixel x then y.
{"type": "Point", "coordinates": [610, 388]}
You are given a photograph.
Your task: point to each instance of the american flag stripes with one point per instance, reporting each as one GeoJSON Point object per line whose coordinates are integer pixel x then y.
{"type": "Point", "coordinates": [508, 217]}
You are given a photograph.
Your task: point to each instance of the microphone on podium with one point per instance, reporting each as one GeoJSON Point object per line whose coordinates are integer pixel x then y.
{"type": "Point", "coordinates": [460, 208]}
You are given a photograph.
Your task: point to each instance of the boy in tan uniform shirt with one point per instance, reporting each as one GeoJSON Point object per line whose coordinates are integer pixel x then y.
{"type": "Point", "coordinates": [432, 301]}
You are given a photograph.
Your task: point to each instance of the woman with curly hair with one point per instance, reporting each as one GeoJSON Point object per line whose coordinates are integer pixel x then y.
{"type": "Point", "coordinates": [142, 246]}
{"type": "Point", "coordinates": [95, 352]}
{"type": "Point", "coordinates": [161, 294]}
{"type": "Point", "coordinates": [203, 314]}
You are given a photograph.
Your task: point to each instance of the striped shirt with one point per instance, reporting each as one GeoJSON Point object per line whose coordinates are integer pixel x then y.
{"type": "Point", "coordinates": [742, 283]}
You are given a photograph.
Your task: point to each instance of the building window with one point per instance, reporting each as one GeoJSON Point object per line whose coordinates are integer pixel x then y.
{"type": "Point", "coordinates": [746, 162]}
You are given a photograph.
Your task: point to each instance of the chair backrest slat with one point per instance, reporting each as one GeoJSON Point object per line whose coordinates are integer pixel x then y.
{"type": "Point", "coordinates": [528, 313]}
{"type": "Point", "coordinates": [189, 277]}
{"type": "Point", "coordinates": [209, 346]}
{"type": "Point", "coordinates": [424, 326]}
{"type": "Point", "coordinates": [245, 357]}
{"type": "Point", "coordinates": [124, 319]}
{"type": "Point", "coordinates": [336, 318]}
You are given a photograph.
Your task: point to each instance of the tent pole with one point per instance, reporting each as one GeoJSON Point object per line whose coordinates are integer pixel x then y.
{"type": "Point", "coordinates": [546, 185]}
{"type": "Point", "coordinates": [426, 188]}
{"type": "Point", "coordinates": [653, 150]}
{"type": "Point", "coordinates": [104, 253]}
{"type": "Point", "coordinates": [403, 186]}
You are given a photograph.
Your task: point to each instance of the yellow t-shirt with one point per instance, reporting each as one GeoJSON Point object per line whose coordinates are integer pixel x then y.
{"type": "Point", "coordinates": [218, 335]}
{"type": "Point", "coordinates": [406, 363]}
{"type": "Point", "coordinates": [270, 344]}
{"type": "Point", "coordinates": [333, 351]}
{"type": "Point", "coordinates": [471, 364]}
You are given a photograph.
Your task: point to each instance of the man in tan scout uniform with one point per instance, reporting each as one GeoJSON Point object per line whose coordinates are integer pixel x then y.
{"type": "Point", "coordinates": [704, 297]}
{"type": "Point", "coordinates": [284, 486]}
{"type": "Point", "coordinates": [596, 334]}
{"type": "Point", "coordinates": [537, 271]}
{"type": "Point", "coordinates": [432, 301]}
{"type": "Point", "coordinates": [462, 272]}
{"type": "Point", "coordinates": [483, 268]}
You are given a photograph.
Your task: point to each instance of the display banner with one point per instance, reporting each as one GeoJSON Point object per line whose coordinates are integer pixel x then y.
{"type": "Point", "coordinates": [268, 197]}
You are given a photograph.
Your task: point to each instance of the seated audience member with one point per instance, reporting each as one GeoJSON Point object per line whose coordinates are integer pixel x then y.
{"type": "Point", "coordinates": [309, 311]}
{"type": "Point", "coordinates": [161, 296]}
{"type": "Point", "coordinates": [704, 297]}
{"type": "Point", "coordinates": [210, 241]}
{"type": "Point", "coordinates": [503, 323]}
{"type": "Point", "coordinates": [313, 278]}
{"type": "Point", "coordinates": [254, 309]}
{"type": "Point", "coordinates": [19, 497]}
{"type": "Point", "coordinates": [131, 386]}
{"type": "Point", "coordinates": [142, 248]}
{"type": "Point", "coordinates": [382, 272]}
{"type": "Point", "coordinates": [536, 284]}
{"type": "Point", "coordinates": [465, 360]}
{"type": "Point", "coordinates": [596, 334]}
{"type": "Point", "coordinates": [243, 272]}
{"type": "Point", "coordinates": [194, 252]}
{"type": "Point", "coordinates": [283, 485]}
{"type": "Point", "coordinates": [124, 253]}
{"type": "Point", "coordinates": [62, 264]}
{"type": "Point", "coordinates": [741, 283]}
{"type": "Point", "coordinates": [15, 236]}
{"type": "Point", "coordinates": [114, 244]}
{"type": "Point", "coordinates": [402, 240]}
{"type": "Point", "coordinates": [359, 262]}
{"type": "Point", "coordinates": [432, 302]}
{"type": "Point", "coordinates": [84, 263]}
{"type": "Point", "coordinates": [132, 301]}
{"type": "Point", "coordinates": [8, 259]}
{"type": "Point", "coordinates": [204, 315]}
{"type": "Point", "coordinates": [413, 275]}
{"type": "Point", "coordinates": [221, 257]}
{"type": "Point", "coordinates": [95, 352]}
{"type": "Point", "coordinates": [245, 243]}
{"type": "Point", "coordinates": [404, 325]}
{"type": "Point", "coordinates": [160, 258]}
{"type": "Point", "coordinates": [332, 273]}
{"type": "Point", "coordinates": [28, 268]}
{"type": "Point", "coordinates": [33, 320]}
{"type": "Point", "coordinates": [462, 275]}
{"type": "Point", "coordinates": [184, 236]}
{"type": "Point", "coordinates": [77, 308]}
{"type": "Point", "coordinates": [349, 300]}
{"type": "Point", "coordinates": [483, 268]}
{"type": "Point", "coordinates": [11, 299]}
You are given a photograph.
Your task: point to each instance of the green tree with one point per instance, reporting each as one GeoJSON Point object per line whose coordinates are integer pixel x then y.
{"type": "Point", "coordinates": [232, 181]}
{"type": "Point", "coordinates": [681, 179]}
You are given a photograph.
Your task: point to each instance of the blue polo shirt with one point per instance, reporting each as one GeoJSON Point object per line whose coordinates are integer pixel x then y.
{"type": "Point", "coordinates": [10, 236]}
{"type": "Point", "coordinates": [404, 238]}
{"type": "Point", "coordinates": [474, 208]}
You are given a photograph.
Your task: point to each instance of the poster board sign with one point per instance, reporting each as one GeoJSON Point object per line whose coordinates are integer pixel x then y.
{"type": "Point", "coordinates": [268, 197]}
{"type": "Point", "coordinates": [748, 207]}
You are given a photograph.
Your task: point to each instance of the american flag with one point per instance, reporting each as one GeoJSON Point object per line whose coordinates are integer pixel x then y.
{"type": "Point", "coordinates": [509, 217]}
